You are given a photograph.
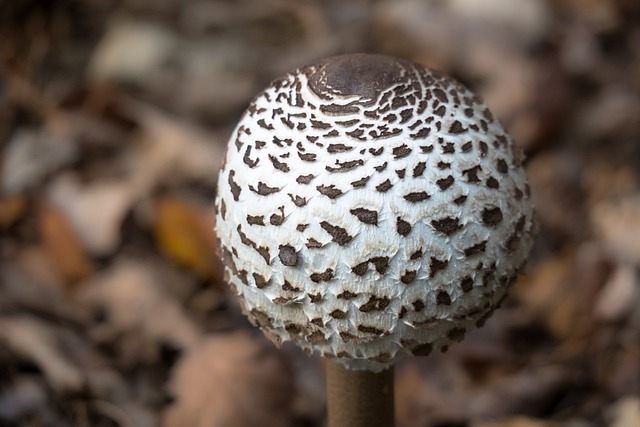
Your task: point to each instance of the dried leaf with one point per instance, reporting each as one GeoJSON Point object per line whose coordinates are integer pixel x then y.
{"type": "Point", "coordinates": [38, 343]}
{"type": "Point", "coordinates": [184, 232]}
{"type": "Point", "coordinates": [95, 210]}
{"type": "Point", "coordinates": [62, 245]}
{"type": "Point", "coordinates": [11, 209]}
{"type": "Point", "coordinates": [132, 297]}
{"type": "Point", "coordinates": [232, 380]}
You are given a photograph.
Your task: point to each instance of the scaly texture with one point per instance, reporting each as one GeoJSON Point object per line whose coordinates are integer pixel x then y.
{"type": "Point", "coordinates": [370, 207]}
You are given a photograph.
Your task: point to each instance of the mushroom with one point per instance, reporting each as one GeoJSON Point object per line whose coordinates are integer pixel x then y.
{"type": "Point", "coordinates": [370, 208]}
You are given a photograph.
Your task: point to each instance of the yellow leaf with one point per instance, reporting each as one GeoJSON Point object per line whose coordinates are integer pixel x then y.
{"type": "Point", "coordinates": [185, 234]}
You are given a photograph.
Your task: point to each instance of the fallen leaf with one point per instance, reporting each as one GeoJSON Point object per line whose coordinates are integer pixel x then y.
{"type": "Point", "coordinates": [31, 154]}
{"type": "Point", "coordinates": [37, 342]}
{"type": "Point", "coordinates": [184, 232]}
{"type": "Point", "coordinates": [619, 295]}
{"type": "Point", "coordinates": [131, 294]}
{"type": "Point", "coordinates": [625, 412]}
{"type": "Point", "coordinates": [95, 210]}
{"type": "Point", "coordinates": [230, 380]}
{"type": "Point", "coordinates": [11, 209]}
{"type": "Point", "coordinates": [62, 245]}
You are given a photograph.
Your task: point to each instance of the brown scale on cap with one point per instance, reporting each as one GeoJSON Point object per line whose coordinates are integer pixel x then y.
{"type": "Point", "coordinates": [378, 155]}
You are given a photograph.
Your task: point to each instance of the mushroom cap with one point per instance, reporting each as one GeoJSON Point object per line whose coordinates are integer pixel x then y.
{"type": "Point", "coordinates": [370, 207]}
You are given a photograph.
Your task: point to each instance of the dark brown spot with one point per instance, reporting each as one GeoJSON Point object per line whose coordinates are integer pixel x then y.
{"type": "Point", "coordinates": [401, 151]}
{"type": "Point", "coordinates": [288, 287]}
{"type": "Point", "coordinates": [263, 189]}
{"type": "Point", "coordinates": [418, 305]}
{"type": "Point", "coordinates": [360, 269]}
{"type": "Point", "coordinates": [456, 334]}
{"type": "Point", "coordinates": [316, 124]}
{"type": "Point", "coordinates": [460, 200]}
{"type": "Point", "coordinates": [356, 133]}
{"type": "Point", "coordinates": [347, 295]}
{"type": "Point", "coordinates": [457, 128]}
{"type": "Point", "coordinates": [338, 234]}
{"type": "Point", "coordinates": [483, 148]}
{"type": "Point", "coordinates": [301, 227]}
{"type": "Point", "coordinates": [384, 186]}
{"type": "Point", "coordinates": [472, 174]}
{"type": "Point", "coordinates": [443, 165]}
{"type": "Point", "coordinates": [381, 167]}
{"type": "Point", "coordinates": [417, 196]}
{"type": "Point", "coordinates": [492, 182]}
{"type": "Point", "coordinates": [491, 216]}
{"type": "Point", "coordinates": [416, 255]}
{"type": "Point", "coordinates": [478, 247]}
{"type": "Point", "coordinates": [235, 188]}
{"type": "Point", "coordinates": [445, 183]}
{"type": "Point", "coordinates": [402, 226]}
{"type": "Point", "coordinates": [418, 170]}
{"type": "Point", "coordinates": [337, 314]}
{"type": "Point", "coordinates": [264, 125]}
{"type": "Point", "coordinates": [304, 179]}
{"type": "Point", "coordinates": [382, 358]}
{"type": "Point", "coordinates": [443, 298]}
{"type": "Point", "coordinates": [376, 151]}
{"type": "Point", "coordinates": [288, 255]}
{"type": "Point", "coordinates": [502, 166]}
{"type": "Point", "coordinates": [307, 157]}
{"type": "Point", "coordinates": [447, 225]}
{"type": "Point", "coordinates": [313, 243]}
{"type": "Point", "coordinates": [448, 148]}
{"type": "Point", "coordinates": [370, 329]}
{"type": "Point", "coordinates": [297, 200]}
{"type": "Point", "coordinates": [261, 282]}
{"type": "Point", "coordinates": [361, 182]}
{"type": "Point", "coordinates": [466, 146]}
{"type": "Point", "coordinates": [365, 215]}
{"type": "Point", "coordinates": [381, 263]}
{"type": "Point", "coordinates": [422, 349]}
{"type": "Point", "coordinates": [440, 95]}
{"type": "Point", "coordinates": [315, 297]}
{"type": "Point", "coordinates": [223, 209]}
{"type": "Point", "coordinates": [255, 220]}
{"type": "Point", "coordinates": [325, 276]}
{"type": "Point", "coordinates": [426, 148]}
{"type": "Point", "coordinates": [348, 338]}
{"type": "Point", "coordinates": [345, 166]}
{"type": "Point", "coordinates": [440, 111]}
{"type": "Point", "coordinates": [466, 284]}
{"type": "Point", "coordinates": [338, 148]}
{"type": "Point", "coordinates": [408, 277]}
{"type": "Point", "coordinates": [315, 337]}
{"type": "Point", "coordinates": [403, 312]}
{"type": "Point", "coordinates": [317, 321]}
{"type": "Point", "coordinates": [247, 158]}
{"type": "Point", "coordinates": [375, 304]}
{"type": "Point", "coordinates": [437, 265]}
{"type": "Point", "coordinates": [281, 166]}
{"type": "Point", "coordinates": [401, 173]}
{"type": "Point", "coordinates": [329, 190]}
{"type": "Point", "coordinates": [276, 219]}
{"type": "Point", "coordinates": [421, 134]}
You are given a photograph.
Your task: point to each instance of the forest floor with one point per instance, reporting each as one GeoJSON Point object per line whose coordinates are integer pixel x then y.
{"type": "Point", "coordinates": [114, 117]}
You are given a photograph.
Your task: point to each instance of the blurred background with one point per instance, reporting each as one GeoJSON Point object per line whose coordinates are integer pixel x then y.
{"type": "Point", "coordinates": [114, 116]}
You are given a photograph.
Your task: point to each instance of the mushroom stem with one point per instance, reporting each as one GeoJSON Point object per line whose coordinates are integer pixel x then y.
{"type": "Point", "coordinates": [359, 398]}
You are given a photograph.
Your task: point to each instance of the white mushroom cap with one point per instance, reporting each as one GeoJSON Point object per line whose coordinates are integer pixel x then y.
{"type": "Point", "coordinates": [370, 207]}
